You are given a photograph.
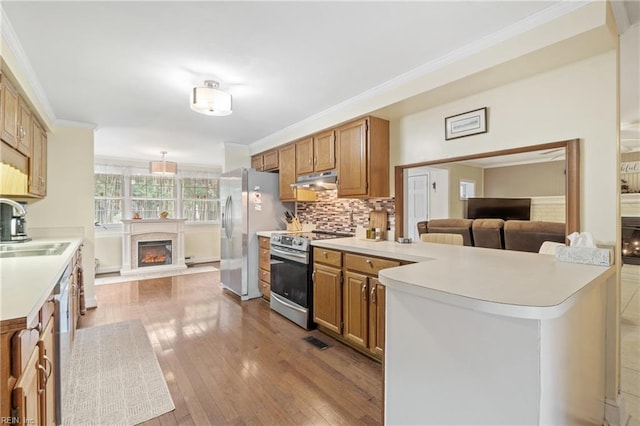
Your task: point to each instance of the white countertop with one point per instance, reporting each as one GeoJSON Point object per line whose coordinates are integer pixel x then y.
{"type": "Point", "coordinates": [26, 282]}
{"type": "Point", "coordinates": [268, 233]}
{"type": "Point", "coordinates": [504, 282]}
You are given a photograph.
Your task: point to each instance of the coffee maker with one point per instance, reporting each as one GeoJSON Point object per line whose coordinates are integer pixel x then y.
{"type": "Point", "coordinates": [13, 227]}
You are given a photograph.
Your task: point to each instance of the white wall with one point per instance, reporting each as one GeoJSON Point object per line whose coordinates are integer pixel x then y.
{"type": "Point", "coordinates": [69, 200]}
{"type": "Point", "coordinates": [236, 156]}
{"type": "Point", "coordinates": [578, 100]}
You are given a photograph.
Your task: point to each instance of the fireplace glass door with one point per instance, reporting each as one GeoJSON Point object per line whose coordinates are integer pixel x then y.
{"type": "Point", "coordinates": [154, 253]}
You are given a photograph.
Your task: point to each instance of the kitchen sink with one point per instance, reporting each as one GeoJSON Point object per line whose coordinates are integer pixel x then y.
{"type": "Point", "coordinates": [22, 250]}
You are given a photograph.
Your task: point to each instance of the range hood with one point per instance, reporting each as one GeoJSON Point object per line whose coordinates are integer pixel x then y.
{"type": "Point", "coordinates": [322, 181]}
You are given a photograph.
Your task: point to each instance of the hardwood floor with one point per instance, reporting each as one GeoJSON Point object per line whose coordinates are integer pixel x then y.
{"type": "Point", "coordinates": [227, 362]}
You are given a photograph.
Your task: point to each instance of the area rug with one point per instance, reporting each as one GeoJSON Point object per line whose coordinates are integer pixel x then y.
{"type": "Point", "coordinates": [138, 277]}
{"type": "Point", "coordinates": [115, 378]}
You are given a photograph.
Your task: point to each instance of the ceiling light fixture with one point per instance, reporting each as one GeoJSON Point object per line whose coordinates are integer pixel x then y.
{"type": "Point", "coordinates": [163, 167]}
{"type": "Point", "coordinates": [210, 100]}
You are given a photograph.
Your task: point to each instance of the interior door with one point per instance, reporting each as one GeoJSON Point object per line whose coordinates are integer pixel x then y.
{"type": "Point", "coordinates": [417, 203]}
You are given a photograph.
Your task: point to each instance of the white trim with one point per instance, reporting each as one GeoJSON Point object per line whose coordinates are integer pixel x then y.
{"type": "Point", "coordinates": [91, 302]}
{"type": "Point", "coordinates": [536, 20]}
{"type": "Point", "coordinates": [615, 412]}
{"type": "Point", "coordinates": [80, 124]}
{"type": "Point", "coordinates": [621, 16]}
{"type": "Point", "coordinates": [13, 43]}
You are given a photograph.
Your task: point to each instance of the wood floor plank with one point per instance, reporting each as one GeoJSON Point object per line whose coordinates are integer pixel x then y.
{"type": "Point", "coordinates": [239, 363]}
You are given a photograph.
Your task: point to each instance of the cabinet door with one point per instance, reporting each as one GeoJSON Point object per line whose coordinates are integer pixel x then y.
{"type": "Point", "coordinates": [48, 361]}
{"type": "Point", "coordinates": [270, 160]}
{"type": "Point", "coordinates": [351, 147]}
{"type": "Point", "coordinates": [324, 153]}
{"type": "Point", "coordinates": [8, 113]}
{"type": "Point", "coordinates": [25, 129]}
{"type": "Point", "coordinates": [38, 161]}
{"type": "Point", "coordinates": [304, 156]}
{"type": "Point", "coordinates": [356, 311]}
{"type": "Point", "coordinates": [287, 172]}
{"type": "Point", "coordinates": [377, 300]}
{"type": "Point", "coordinates": [26, 392]}
{"type": "Point", "coordinates": [327, 297]}
{"type": "Point", "coordinates": [256, 162]}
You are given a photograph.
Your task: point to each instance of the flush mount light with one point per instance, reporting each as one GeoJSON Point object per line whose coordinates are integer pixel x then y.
{"type": "Point", "coordinates": [210, 100]}
{"type": "Point", "coordinates": [163, 167]}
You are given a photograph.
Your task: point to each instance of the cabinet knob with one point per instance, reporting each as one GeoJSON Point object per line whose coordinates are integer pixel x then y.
{"type": "Point", "coordinates": [364, 292]}
{"type": "Point", "coordinates": [369, 262]}
{"type": "Point", "coordinates": [373, 294]}
{"type": "Point", "coordinates": [325, 254]}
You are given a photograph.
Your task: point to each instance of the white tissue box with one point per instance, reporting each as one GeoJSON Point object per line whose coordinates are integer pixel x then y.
{"type": "Point", "coordinates": [586, 255]}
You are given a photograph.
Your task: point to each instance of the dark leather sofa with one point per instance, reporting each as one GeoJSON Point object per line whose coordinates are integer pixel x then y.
{"type": "Point", "coordinates": [519, 235]}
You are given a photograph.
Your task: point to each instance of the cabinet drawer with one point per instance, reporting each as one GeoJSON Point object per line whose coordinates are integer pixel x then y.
{"type": "Point", "coordinates": [265, 289]}
{"type": "Point", "coordinates": [328, 257]}
{"type": "Point", "coordinates": [367, 264]}
{"type": "Point", "coordinates": [264, 275]}
{"type": "Point", "coordinates": [264, 259]}
{"type": "Point", "coordinates": [264, 242]}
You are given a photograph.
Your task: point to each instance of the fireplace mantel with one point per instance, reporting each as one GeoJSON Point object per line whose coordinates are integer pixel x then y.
{"type": "Point", "coordinates": [137, 230]}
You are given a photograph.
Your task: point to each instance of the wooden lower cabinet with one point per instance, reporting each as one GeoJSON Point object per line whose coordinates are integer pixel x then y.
{"type": "Point", "coordinates": [48, 362]}
{"type": "Point", "coordinates": [264, 270]}
{"type": "Point", "coordinates": [349, 301]}
{"type": "Point", "coordinates": [327, 297]}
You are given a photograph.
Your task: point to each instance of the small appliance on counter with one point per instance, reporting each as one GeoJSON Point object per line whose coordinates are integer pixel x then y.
{"type": "Point", "coordinates": [13, 227]}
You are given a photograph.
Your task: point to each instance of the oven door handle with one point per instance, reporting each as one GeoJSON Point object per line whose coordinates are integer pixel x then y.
{"type": "Point", "coordinates": [294, 257]}
{"type": "Point", "coordinates": [287, 303]}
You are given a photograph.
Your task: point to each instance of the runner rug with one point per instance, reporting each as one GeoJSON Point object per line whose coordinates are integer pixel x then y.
{"type": "Point", "coordinates": [114, 377]}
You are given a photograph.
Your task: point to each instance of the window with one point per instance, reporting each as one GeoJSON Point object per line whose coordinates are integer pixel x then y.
{"type": "Point", "coordinates": [108, 201]}
{"type": "Point", "coordinates": [121, 191]}
{"type": "Point", "coordinates": [467, 189]}
{"type": "Point", "coordinates": [200, 199]}
{"type": "Point", "coordinates": [151, 195]}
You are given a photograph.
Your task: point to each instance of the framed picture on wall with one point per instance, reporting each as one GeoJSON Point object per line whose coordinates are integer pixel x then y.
{"type": "Point", "coordinates": [466, 124]}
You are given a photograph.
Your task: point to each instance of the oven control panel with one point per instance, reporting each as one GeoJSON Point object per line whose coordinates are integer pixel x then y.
{"type": "Point", "coordinates": [290, 241]}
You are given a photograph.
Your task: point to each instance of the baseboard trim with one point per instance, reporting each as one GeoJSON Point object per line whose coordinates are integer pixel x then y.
{"type": "Point", "coordinates": [91, 303]}
{"type": "Point", "coordinates": [615, 412]}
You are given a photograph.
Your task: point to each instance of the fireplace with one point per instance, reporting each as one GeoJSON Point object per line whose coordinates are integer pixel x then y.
{"type": "Point", "coordinates": [152, 245]}
{"type": "Point", "coordinates": [631, 240]}
{"type": "Point", "coordinates": [154, 253]}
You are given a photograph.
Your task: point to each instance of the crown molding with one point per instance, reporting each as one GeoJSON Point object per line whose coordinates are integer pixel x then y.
{"type": "Point", "coordinates": [527, 24]}
{"type": "Point", "coordinates": [13, 43]}
{"type": "Point", "coordinates": [80, 124]}
{"type": "Point", "coordinates": [621, 16]}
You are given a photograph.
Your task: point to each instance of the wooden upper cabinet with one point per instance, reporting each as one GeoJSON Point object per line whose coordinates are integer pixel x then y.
{"type": "Point", "coordinates": [362, 148]}
{"type": "Point", "coordinates": [25, 130]}
{"type": "Point", "coordinates": [270, 160]}
{"type": "Point", "coordinates": [256, 162]}
{"type": "Point", "coordinates": [8, 113]}
{"type": "Point", "coordinates": [265, 162]}
{"type": "Point", "coordinates": [316, 154]}
{"type": "Point", "coordinates": [38, 162]}
{"type": "Point", "coordinates": [304, 156]}
{"type": "Point", "coordinates": [324, 152]}
{"type": "Point", "coordinates": [287, 172]}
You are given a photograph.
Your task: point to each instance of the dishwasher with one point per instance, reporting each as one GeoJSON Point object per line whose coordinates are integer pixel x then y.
{"type": "Point", "coordinates": [63, 337]}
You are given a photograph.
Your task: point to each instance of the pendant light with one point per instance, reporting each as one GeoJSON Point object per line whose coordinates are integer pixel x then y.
{"type": "Point", "coordinates": [163, 167]}
{"type": "Point", "coordinates": [210, 100]}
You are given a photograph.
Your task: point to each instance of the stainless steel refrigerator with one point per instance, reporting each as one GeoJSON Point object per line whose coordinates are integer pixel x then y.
{"type": "Point", "coordinates": [250, 203]}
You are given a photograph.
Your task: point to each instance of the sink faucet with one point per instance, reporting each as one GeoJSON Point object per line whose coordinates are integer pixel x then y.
{"type": "Point", "coordinates": [15, 205]}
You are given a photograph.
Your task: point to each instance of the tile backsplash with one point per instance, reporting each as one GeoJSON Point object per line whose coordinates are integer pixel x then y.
{"type": "Point", "coordinates": [331, 213]}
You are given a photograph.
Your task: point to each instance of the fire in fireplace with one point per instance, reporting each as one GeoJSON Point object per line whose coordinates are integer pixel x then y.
{"type": "Point", "coordinates": [631, 240]}
{"type": "Point", "coordinates": [154, 253]}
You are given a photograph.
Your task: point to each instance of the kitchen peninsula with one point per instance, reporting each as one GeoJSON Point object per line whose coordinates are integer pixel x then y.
{"type": "Point", "coordinates": [484, 336]}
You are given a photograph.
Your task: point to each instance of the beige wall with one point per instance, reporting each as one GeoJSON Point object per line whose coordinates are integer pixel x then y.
{"type": "Point", "coordinates": [69, 200]}
{"type": "Point", "coordinates": [457, 207]}
{"type": "Point", "coordinates": [525, 180]}
{"type": "Point", "coordinates": [578, 100]}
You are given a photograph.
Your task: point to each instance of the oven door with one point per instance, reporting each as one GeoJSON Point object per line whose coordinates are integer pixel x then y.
{"type": "Point", "coordinates": [290, 275]}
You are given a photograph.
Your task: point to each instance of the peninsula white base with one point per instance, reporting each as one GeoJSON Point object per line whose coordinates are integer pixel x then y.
{"type": "Point", "coordinates": [448, 364]}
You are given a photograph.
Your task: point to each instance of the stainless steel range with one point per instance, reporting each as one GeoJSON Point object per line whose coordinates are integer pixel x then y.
{"type": "Point", "coordinates": [291, 269]}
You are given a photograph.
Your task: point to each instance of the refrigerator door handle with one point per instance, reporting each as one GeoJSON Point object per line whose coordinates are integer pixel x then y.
{"type": "Point", "coordinates": [225, 217]}
{"type": "Point", "coordinates": [229, 228]}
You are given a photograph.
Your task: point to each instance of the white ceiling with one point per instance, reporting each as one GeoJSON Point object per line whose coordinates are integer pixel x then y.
{"type": "Point", "coordinates": [128, 67]}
